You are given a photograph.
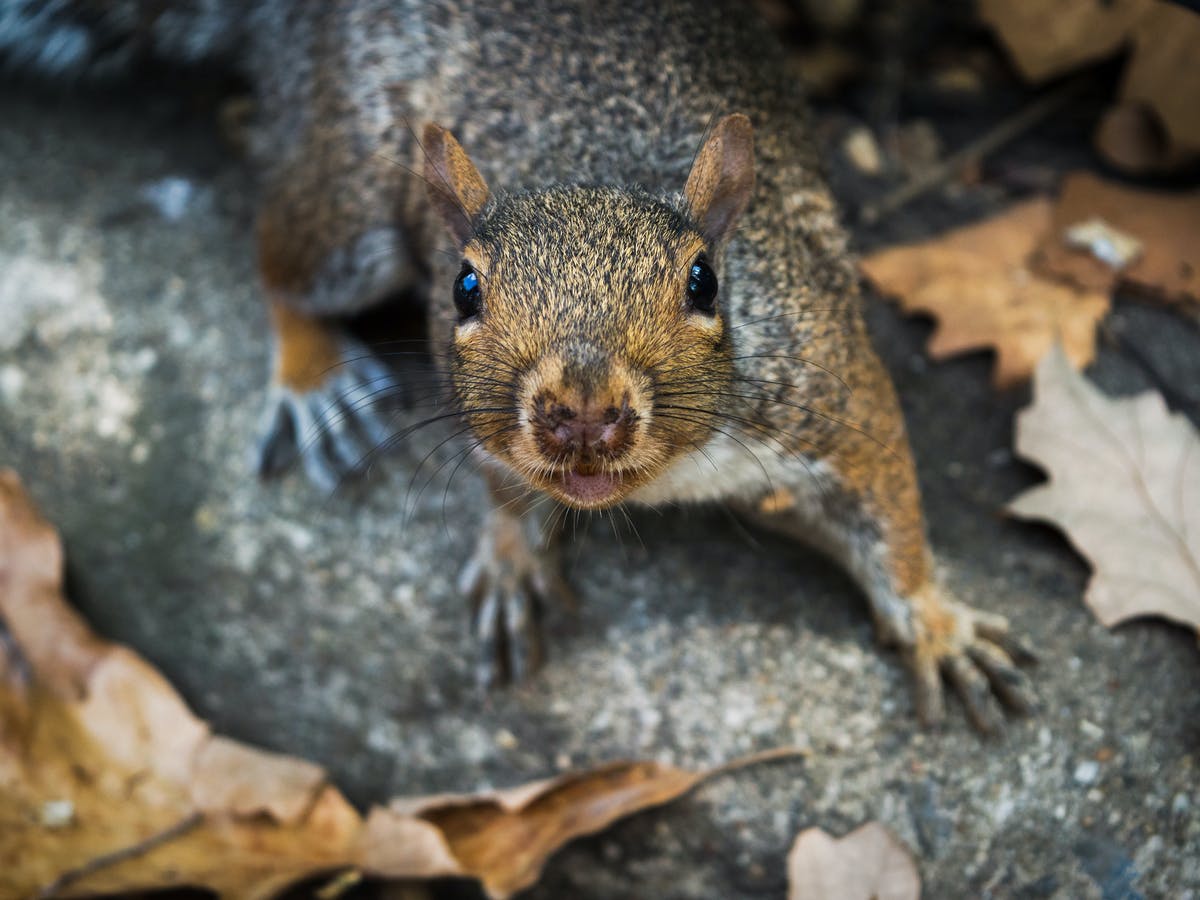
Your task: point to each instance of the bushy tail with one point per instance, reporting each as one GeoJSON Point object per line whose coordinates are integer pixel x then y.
{"type": "Point", "coordinates": [99, 38]}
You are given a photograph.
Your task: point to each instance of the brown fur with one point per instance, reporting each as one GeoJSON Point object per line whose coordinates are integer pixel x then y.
{"type": "Point", "coordinates": [307, 350]}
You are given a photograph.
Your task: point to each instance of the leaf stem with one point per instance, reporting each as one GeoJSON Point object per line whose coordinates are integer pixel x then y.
{"type": "Point", "coordinates": [107, 860]}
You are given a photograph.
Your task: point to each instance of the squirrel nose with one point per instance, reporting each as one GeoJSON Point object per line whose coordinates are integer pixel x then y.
{"type": "Point", "coordinates": [589, 431]}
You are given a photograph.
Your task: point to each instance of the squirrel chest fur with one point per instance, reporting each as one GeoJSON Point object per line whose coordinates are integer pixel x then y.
{"type": "Point", "coordinates": [636, 281]}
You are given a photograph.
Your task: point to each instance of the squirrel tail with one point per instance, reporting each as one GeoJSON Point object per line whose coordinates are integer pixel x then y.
{"type": "Point", "coordinates": [96, 39]}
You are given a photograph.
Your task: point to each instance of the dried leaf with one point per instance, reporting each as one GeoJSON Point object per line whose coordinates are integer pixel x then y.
{"type": "Point", "coordinates": [1124, 487]}
{"type": "Point", "coordinates": [977, 282]}
{"type": "Point", "coordinates": [1164, 72]}
{"type": "Point", "coordinates": [1130, 138]}
{"type": "Point", "coordinates": [506, 837]}
{"type": "Point", "coordinates": [1166, 225]}
{"type": "Point", "coordinates": [109, 784]}
{"type": "Point", "coordinates": [866, 864]}
{"type": "Point", "coordinates": [100, 733]}
{"type": "Point", "coordinates": [1048, 39]}
{"type": "Point", "coordinates": [1161, 81]}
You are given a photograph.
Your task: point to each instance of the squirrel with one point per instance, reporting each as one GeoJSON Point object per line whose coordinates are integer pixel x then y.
{"type": "Point", "coordinates": [646, 298]}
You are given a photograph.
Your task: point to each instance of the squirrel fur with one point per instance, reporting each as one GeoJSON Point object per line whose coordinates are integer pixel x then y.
{"type": "Point", "coordinates": [591, 169]}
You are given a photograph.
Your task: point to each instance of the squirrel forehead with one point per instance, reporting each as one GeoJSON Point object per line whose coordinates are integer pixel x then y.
{"type": "Point", "coordinates": [553, 232]}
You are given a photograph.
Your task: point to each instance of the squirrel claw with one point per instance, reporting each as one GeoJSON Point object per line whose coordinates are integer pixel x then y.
{"type": "Point", "coordinates": [334, 429]}
{"type": "Point", "coordinates": [974, 652]}
{"type": "Point", "coordinates": [508, 584]}
{"type": "Point", "coordinates": [507, 631]}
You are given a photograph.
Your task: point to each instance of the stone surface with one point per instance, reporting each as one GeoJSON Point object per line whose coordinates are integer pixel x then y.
{"type": "Point", "coordinates": [132, 359]}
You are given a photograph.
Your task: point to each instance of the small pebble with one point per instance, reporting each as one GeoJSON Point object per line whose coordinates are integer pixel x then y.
{"type": "Point", "coordinates": [1087, 772]}
{"type": "Point", "coordinates": [862, 149]}
{"type": "Point", "coordinates": [12, 381]}
{"type": "Point", "coordinates": [170, 197]}
{"type": "Point", "coordinates": [506, 739]}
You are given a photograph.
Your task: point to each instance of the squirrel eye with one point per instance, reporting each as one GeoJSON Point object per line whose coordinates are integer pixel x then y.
{"type": "Point", "coordinates": [468, 298]}
{"type": "Point", "coordinates": [702, 286]}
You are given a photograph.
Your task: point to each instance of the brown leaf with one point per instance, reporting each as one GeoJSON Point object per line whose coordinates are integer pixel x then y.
{"type": "Point", "coordinates": [1124, 487]}
{"type": "Point", "coordinates": [1131, 138]}
{"type": "Point", "coordinates": [505, 838]}
{"type": "Point", "coordinates": [1166, 224]}
{"type": "Point", "coordinates": [1155, 126]}
{"type": "Point", "coordinates": [99, 755]}
{"type": "Point", "coordinates": [866, 864]}
{"type": "Point", "coordinates": [109, 784]}
{"type": "Point", "coordinates": [1164, 72]}
{"type": "Point", "coordinates": [978, 285]}
{"type": "Point", "coordinates": [1048, 39]}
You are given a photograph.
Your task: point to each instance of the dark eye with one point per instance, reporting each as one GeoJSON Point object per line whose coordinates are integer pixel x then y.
{"type": "Point", "coordinates": [468, 298]}
{"type": "Point", "coordinates": [702, 286]}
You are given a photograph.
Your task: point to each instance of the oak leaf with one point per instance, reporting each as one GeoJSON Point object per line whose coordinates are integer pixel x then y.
{"type": "Point", "coordinates": [1166, 225]}
{"type": "Point", "coordinates": [1125, 489]}
{"type": "Point", "coordinates": [976, 281]}
{"type": "Point", "coordinates": [1163, 76]}
{"type": "Point", "coordinates": [1048, 39]}
{"type": "Point", "coordinates": [866, 864]}
{"type": "Point", "coordinates": [504, 838]}
{"type": "Point", "coordinates": [1154, 126]}
{"type": "Point", "coordinates": [109, 784]}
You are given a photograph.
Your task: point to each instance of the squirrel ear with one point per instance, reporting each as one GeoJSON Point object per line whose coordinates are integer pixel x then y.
{"type": "Point", "coordinates": [722, 178]}
{"type": "Point", "coordinates": [455, 187]}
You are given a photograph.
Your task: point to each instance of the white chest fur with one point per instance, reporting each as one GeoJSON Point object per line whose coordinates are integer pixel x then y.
{"type": "Point", "coordinates": [736, 469]}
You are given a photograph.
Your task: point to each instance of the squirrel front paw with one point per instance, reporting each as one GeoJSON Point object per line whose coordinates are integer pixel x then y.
{"type": "Point", "coordinates": [508, 583]}
{"type": "Point", "coordinates": [335, 427]}
{"type": "Point", "coordinates": [974, 651]}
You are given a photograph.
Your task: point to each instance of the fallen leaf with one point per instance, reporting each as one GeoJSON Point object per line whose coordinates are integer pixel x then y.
{"type": "Point", "coordinates": [506, 837]}
{"type": "Point", "coordinates": [977, 283]}
{"type": "Point", "coordinates": [1154, 126]}
{"type": "Point", "coordinates": [89, 726]}
{"type": "Point", "coordinates": [1164, 72]}
{"type": "Point", "coordinates": [1128, 138]}
{"type": "Point", "coordinates": [1166, 225]}
{"type": "Point", "coordinates": [866, 864]}
{"type": "Point", "coordinates": [1048, 39]}
{"type": "Point", "coordinates": [109, 784]}
{"type": "Point", "coordinates": [1125, 489]}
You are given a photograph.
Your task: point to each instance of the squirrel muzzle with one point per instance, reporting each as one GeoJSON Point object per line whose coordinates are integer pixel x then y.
{"type": "Point", "coordinates": [583, 417]}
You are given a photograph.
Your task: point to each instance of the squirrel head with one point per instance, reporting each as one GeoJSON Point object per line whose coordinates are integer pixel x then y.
{"type": "Point", "coordinates": [591, 347]}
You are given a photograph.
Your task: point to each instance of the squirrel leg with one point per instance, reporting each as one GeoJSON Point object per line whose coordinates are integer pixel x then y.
{"type": "Point", "coordinates": [514, 573]}
{"type": "Point", "coordinates": [864, 510]}
{"type": "Point", "coordinates": [330, 244]}
{"type": "Point", "coordinates": [327, 401]}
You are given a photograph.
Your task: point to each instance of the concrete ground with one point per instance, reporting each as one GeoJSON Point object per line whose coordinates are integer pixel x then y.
{"type": "Point", "coordinates": [132, 359]}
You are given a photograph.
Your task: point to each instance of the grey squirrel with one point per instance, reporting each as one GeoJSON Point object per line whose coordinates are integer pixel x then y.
{"type": "Point", "coordinates": [646, 299]}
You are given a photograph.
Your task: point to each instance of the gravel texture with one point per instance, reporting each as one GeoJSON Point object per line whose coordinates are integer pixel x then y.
{"type": "Point", "coordinates": [132, 361]}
